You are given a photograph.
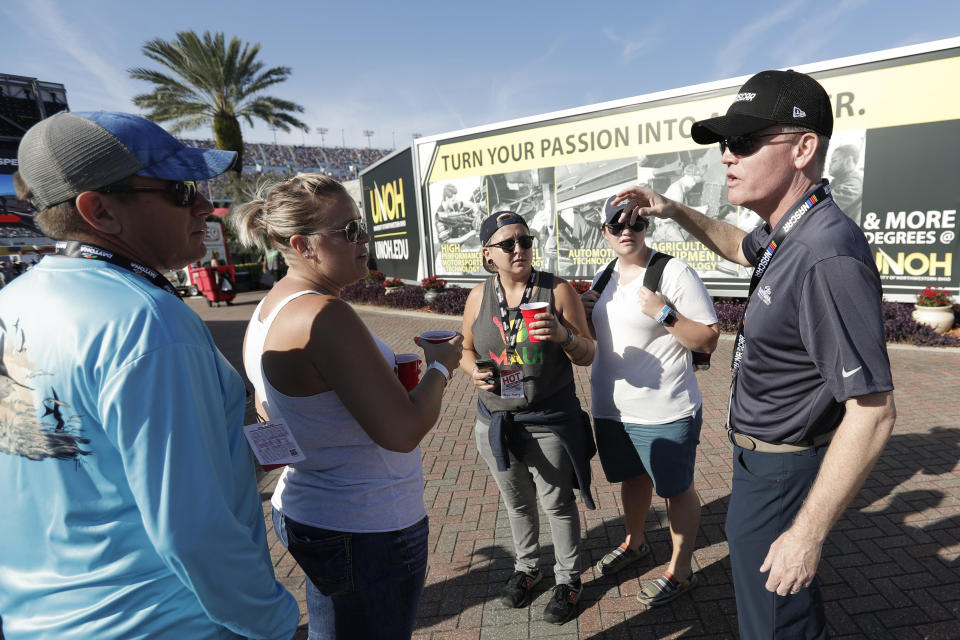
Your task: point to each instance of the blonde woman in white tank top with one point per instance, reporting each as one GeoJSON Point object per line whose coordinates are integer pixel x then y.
{"type": "Point", "coordinates": [352, 513]}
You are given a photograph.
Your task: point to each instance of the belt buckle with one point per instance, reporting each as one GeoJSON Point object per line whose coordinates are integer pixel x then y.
{"type": "Point", "coordinates": [732, 436]}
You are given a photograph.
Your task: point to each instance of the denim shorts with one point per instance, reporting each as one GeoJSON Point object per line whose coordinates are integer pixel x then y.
{"type": "Point", "coordinates": [360, 585]}
{"type": "Point", "coordinates": [665, 452]}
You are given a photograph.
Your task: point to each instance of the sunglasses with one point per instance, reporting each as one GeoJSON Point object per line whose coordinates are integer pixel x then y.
{"type": "Point", "coordinates": [354, 231]}
{"type": "Point", "coordinates": [748, 144]}
{"type": "Point", "coordinates": [181, 194]}
{"type": "Point", "coordinates": [507, 246]}
{"type": "Point", "coordinates": [616, 228]}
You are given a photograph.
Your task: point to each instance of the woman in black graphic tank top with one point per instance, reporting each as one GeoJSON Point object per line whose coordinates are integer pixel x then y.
{"type": "Point", "coordinates": [530, 429]}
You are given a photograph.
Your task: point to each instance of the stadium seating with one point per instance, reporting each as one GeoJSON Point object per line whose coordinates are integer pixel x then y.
{"type": "Point", "coordinates": [264, 162]}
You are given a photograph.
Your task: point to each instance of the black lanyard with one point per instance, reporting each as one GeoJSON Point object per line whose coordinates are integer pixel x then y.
{"type": "Point", "coordinates": [510, 332]}
{"type": "Point", "coordinates": [764, 256]}
{"type": "Point", "coordinates": [93, 252]}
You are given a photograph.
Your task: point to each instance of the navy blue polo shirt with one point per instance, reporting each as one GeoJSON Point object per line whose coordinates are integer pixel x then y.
{"type": "Point", "coordinates": [813, 329]}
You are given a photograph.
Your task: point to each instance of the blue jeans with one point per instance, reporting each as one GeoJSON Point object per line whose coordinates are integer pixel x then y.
{"type": "Point", "coordinates": [768, 490]}
{"type": "Point", "coordinates": [360, 585]}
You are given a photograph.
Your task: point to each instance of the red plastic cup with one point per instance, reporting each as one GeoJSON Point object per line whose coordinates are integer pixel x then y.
{"type": "Point", "coordinates": [408, 370]}
{"type": "Point", "coordinates": [528, 311]}
{"type": "Point", "coordinates": [436, 337]}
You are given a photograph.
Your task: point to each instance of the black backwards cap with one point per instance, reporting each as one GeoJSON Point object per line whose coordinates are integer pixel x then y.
{"type": "Point", "coordinates": [492, 222]}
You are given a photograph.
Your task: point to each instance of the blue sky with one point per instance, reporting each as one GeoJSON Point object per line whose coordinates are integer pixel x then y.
{"type": "Point", "coordinates": [429, 67]}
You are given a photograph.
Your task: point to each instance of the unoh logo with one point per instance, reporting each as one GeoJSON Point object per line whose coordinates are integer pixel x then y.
{"type": "Point", "coordinates": [386, 202]}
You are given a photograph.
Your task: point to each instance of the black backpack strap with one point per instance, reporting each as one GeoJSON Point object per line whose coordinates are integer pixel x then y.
{"type": "Point", "coordinates": [545, 280]}
{"type": "Point", "coordinates": [651, 277]}
{"type": "Point", "coordinates": [604, 277]}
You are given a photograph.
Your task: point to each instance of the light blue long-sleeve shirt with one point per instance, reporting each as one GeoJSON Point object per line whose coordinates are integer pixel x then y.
{"type": "Point", "coordinates": [130, 503]}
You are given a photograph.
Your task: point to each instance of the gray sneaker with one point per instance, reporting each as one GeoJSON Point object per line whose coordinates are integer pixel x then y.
{"type": "Point", "coordinates": [620, 558]}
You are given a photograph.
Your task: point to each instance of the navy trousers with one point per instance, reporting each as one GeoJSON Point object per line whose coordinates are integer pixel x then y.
{"type": "Point", "coordinates": [768, 490]}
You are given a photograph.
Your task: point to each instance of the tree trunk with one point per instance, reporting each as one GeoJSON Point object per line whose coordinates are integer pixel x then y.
{"type": "Point", "coordinates": [226, 130]}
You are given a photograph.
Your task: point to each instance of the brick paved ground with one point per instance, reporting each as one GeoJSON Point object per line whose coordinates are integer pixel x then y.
{"type": "Point", "coordinates": [891, 567]}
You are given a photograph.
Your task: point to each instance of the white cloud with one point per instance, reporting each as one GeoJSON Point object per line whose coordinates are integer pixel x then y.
{"type": "Point", "coordinates": [79, 50]}
{"type": "Point", "coordinates": [632, 47]}
{"type": "Point", "coordinates": [744, 42]}
{"type": "Point", "coordinates": [833, 25]}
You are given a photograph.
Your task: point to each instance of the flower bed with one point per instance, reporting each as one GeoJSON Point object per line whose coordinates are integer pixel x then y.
{"type": "Point", "coordinates": [898, 323]}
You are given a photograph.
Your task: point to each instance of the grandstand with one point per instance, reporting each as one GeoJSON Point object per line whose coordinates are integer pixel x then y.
{"type": "Point", "coordinates": [23, 102]}
{"type": "Point", "coordinates": [262, 161]}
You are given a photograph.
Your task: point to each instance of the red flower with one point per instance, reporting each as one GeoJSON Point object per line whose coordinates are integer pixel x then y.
{"type": "Point", "coordinates": [934, 297]}
{"type": "Point", "coordinates": [433, 283]}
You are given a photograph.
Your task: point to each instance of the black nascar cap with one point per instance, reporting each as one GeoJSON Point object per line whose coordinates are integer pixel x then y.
{"type": "Point", "coordinates": [769, 98]}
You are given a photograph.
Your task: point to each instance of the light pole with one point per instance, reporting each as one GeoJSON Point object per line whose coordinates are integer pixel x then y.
{"type": "Point", "coordinates": [394, 134]}
{"type": "Point", "coordinates": [343, 140]}
{"type": "Point", "coordinates": [322, 131]}
{"type": "Point", "coordinates": [368, 133]}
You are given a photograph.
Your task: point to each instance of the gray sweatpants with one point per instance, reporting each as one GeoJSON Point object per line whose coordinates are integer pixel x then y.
{"type": "Point", "coordinates": [545, 470]}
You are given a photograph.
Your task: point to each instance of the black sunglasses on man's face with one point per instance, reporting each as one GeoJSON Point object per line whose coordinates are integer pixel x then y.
{"type": "Point", "coordinates": [525, 242]}
{"type": "Point", "coordinates": [181, 194]}
{"type": "Point", "coordinates": [748, 144]}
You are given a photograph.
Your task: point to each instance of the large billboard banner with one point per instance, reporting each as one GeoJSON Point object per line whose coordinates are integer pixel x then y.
{"type": "Point", "coordinates": [390, 210]}
{"type": "Point", "coordinates": [892, 165]}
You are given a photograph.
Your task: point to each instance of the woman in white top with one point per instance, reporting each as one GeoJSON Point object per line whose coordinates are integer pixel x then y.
{"type": "Point", "coordinates": [645, 399]}
{"type": "Point", "coordinates": [352, 513]}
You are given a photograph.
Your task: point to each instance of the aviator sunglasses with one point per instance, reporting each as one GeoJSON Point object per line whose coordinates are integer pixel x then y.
{"type": "Point", "coordinates": [507, 246]}
{"type": "Point", "coordinates": [354, 230]}
{"type": "Point", "coordinates": [748, 144]}
{"type": "Point", "coordinates": [182, 194]}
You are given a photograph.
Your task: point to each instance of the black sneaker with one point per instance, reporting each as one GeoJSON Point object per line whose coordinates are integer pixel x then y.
{"type": "Point", "coordinates": [563, 603]}
{"type": "Point", "coordinates": [517, 591]}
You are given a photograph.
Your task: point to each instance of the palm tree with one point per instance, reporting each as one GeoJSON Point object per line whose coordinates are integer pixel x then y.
{"type": "Point", "coordinates": [213, 82]}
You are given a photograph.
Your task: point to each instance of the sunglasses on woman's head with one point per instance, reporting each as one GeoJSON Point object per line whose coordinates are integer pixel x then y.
{"type": "Point", "coordinates": [525, 242]}
{"type": "Point", "coordinates": [354, 231]}
{"type": "Point", "coordinates": [748, 144]}
{"type": "Point", "coordinates": [181, 194]}
{"type": "Point", "coordinates": [616, 228]}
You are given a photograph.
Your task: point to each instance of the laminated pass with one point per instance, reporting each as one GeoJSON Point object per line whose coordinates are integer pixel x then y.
{"type": "Point", "coordinates": [273, 443]}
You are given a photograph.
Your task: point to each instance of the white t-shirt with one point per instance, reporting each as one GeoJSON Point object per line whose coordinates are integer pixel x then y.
{"type": "Point", "coordinates": [641, 374]}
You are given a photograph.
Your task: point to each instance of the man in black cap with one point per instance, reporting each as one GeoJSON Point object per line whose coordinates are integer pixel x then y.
{"type": "Point", "coordinates": [811, 406]}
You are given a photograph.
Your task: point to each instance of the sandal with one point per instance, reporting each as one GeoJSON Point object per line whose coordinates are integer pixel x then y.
{"type": "Point", "coordinates": [620, 558]}
{"type": "Point", "coordinates": [664, 589]}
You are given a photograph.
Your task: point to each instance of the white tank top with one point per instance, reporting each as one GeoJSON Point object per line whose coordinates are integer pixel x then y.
{"type": "Point", "coordinates": [347, 482]}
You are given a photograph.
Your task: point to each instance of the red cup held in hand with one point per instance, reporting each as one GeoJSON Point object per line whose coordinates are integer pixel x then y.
{"type": "Point", "coordinates": [408, 369]}
{"type": "Point", "coordinates": [436, 337]}
{"type": "Point", "coordinates": [528, 311]}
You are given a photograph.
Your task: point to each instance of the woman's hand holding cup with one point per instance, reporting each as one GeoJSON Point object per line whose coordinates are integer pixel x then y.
{"type": "Point", "coordinates": [542, 326]}
{"type": "Point", "coordinates": [446, 352]}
